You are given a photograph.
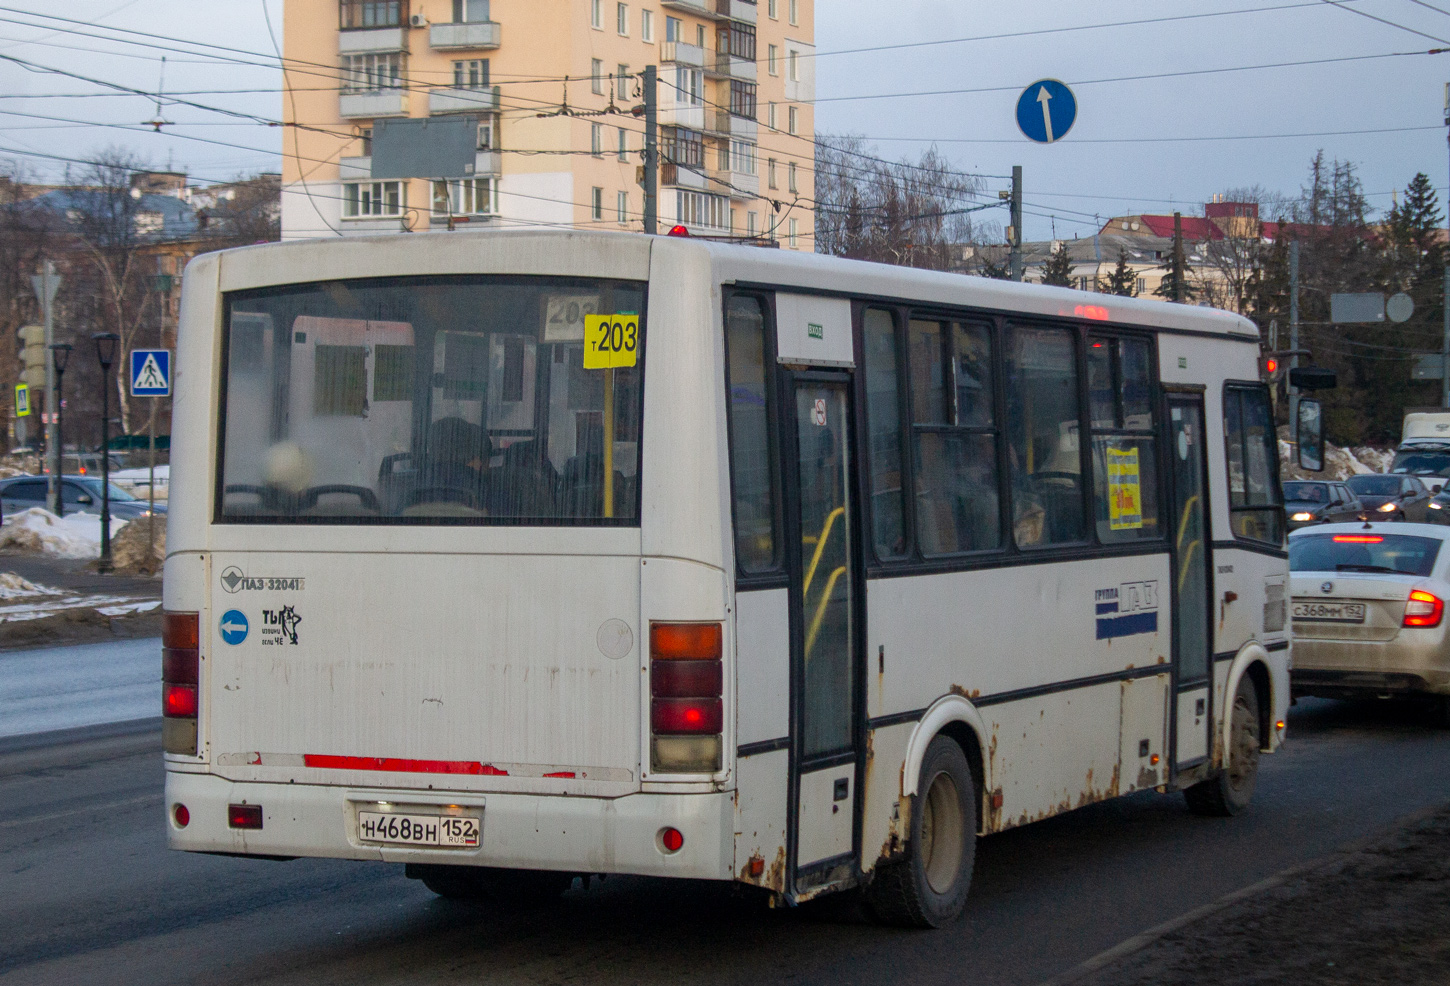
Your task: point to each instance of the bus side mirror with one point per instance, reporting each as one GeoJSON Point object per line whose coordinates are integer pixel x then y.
{"type": "Point", "coordinates": [1309, 434]}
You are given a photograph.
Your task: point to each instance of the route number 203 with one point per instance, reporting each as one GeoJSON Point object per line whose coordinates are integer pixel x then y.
{"type": "Point", "coordinates": [610, 341]}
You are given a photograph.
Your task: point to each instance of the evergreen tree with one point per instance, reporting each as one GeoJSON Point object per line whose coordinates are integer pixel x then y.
{"type": "Point", "coordinates": [1122, 280]}
{"type": "Point", "coordinates": [1058, 269]}
{"type": "Point", "coordinates": [997, 272]}
{"type": "Point", "coordinates": [1175, 285]}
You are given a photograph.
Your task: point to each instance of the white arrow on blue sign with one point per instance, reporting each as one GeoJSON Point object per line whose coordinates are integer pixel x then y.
{"type": "Point", "coordinates": [1046, 111]}
{"type": "Point", "coordinates": [150, 373]}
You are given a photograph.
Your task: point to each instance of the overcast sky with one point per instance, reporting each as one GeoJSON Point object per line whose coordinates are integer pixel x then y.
{"type": "Point", "coordinates": [1114, 161]}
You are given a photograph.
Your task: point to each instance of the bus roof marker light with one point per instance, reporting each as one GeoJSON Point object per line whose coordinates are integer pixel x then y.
{"type": "Point", "coordinates": [1097, 313]}
{"type": "Point", "coordinates": [678, 231]}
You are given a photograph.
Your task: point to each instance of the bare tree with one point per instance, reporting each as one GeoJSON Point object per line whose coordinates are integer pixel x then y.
{"type": "Point", "coordinates": [1231, 264]}
{"type": "Point", "coordinates": [251, 213]}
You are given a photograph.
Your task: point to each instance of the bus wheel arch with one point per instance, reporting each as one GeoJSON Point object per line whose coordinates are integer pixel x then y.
{"type": "Point", "coordinates": [1252, 661]}
{"type": "Point", "coordinates": [957, 718]}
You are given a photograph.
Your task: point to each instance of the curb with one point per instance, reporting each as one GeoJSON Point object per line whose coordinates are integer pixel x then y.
{"type": "Point", "coordinates": [1143, 939]}
{"type": "Point", "coordinates": [81, 745]}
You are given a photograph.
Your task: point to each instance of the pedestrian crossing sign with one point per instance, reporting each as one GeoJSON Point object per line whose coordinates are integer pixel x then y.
{"type": "Point", "coordinates": [150, 373]}
{"type": "Point", "coordinates": [22, 400]}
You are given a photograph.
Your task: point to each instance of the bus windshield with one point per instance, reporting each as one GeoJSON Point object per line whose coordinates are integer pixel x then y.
{"type": "Point", "coordinates": [433, 400]}
{"type": "Point", "coordinates": [1422, 463]}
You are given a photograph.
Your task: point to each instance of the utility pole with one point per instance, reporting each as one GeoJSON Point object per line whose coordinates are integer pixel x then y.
{"type": "Point", "coordinates": [1445, 298]}
{"type": "Point", "coordinates": [1294, 336]}
{"type": "Point", "coordinates": [46, 284]}
{"type": "Point", "coordinates": [651, 151]}
{"type": "Point", "coordinates": [1178, 257]}
{"type": "Point", "coordinates": [1014, 232]}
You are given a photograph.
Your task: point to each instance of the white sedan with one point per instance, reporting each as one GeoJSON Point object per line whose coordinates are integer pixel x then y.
{"type": "Point", "coordinates": [1369, 611]}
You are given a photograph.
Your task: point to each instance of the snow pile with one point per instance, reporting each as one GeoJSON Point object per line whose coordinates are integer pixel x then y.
{"type": "Point", "coordinates": [22, 600]}
{"type": "Point", "coordinates": [12, 586]}
{"type": "Point", "coordinates": [136, 550]}
{"type": "Point", "coordinates": [1339, 463]}
{"type": "Point", "coordinates": [72, 536]}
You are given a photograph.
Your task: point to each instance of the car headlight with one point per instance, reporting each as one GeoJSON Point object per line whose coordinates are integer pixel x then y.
{"type": "Point", "coordinates": [1388, 508]}
{"type": "Point", "coordinates": [1434, 506]}
{"type": "Point", "coordinates": [1301, 515]}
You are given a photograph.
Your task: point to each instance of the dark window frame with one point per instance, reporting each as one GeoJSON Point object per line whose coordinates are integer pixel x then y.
{"type": "Point", "coordinates": [1154, 432]}
{"type": "Point", "coordinates": [1275, 484]}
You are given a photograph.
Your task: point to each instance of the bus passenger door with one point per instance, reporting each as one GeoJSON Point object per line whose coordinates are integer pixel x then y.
{"type": "Point", "coordinates": [1192, 705]}
{"type": "Point", "coordinates": [826, 614]}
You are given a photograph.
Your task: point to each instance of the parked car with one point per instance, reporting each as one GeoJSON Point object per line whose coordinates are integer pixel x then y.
{"type": "Point", "coordinates": [1314, 502]}
{"type": "Point", "coordinates": [78, 494]}
{"type": "Point", "coordinates": [1369, 611]}
{"type": "Point", "coordinates": [1388, 496]}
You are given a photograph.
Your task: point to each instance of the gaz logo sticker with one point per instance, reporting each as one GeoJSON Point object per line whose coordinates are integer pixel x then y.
{"type": "Point", "coordinates": [610, 341]}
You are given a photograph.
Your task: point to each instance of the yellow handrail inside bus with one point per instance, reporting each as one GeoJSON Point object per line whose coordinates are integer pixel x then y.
{"type": "Point", "coordinates": [1193, 545]}
{"type": "Point", "coordinates": [820, 547]}
{"type": "Point", "coordinates": [821, 610]}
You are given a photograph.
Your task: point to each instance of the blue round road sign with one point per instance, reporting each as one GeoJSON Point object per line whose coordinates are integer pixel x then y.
{"type": "Point", "coordinates": [1046, 111]}
{"type": "Point", "coordinates": [234, 626]}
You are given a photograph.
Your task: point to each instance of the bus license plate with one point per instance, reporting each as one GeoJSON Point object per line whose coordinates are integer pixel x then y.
{"type": "Point", "coordinates": [1329, 612]}
{"type": "Point", "coordinates": [418, 830]}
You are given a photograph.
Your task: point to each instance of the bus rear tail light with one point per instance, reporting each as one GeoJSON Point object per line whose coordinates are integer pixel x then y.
{"type": "Point", "coordinates": [244, 816]}
{"type": "Point", "coordinates": [686, 697]}
{"type": "Point", "coordinates": [180, 677]}
{"type": "Point", "coordinates": [1424, 609]}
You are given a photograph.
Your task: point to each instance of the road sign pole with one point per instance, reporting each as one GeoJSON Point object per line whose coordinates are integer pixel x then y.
{"type": "Point", "coordinates": [46, 284]}
{"type": "Point", "coordinates": [1294, 336]}
{"type": "Point", "coordinates": [651, 151]}
{"type": "Point", "coordinates": [1445, 344]}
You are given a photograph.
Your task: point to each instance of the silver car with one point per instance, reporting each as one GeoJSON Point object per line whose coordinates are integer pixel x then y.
{"type": "Point", "coordinates": [1369, 611]}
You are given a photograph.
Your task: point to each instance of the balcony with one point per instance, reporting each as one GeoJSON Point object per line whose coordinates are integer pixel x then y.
{"type": "Point", "coordinates": [736, 184]}
{"type": "Point", "coordinates": [370, 105]}
{"type": "Point", "coordinates": [675, 176]}
{"type": "Point", "coordinates": [744, 10]}
{"type": "Point", "coordinates": [456, 100]}
{"type": "Point", "coordinates": [375, 39]}
{"type": "Point", "coordinates": [729, 125]}
{"type": "Point", "coordinates": [682, 115]}
{"type": "Point", "coordinates": [354, 168]}
{"type": "Point", "coordinates": [683, 54]}
{"type": "Point", "coordinates": [482, 35]}
{"type": "Point", "coordinates": [730, 67]}
{"type": "Point", "coordinates": [714, 10]}
{"type": "Point", "coordinates": [488, 163]}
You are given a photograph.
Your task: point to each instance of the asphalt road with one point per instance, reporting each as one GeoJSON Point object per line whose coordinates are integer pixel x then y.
{"type": "Point", "coordinates": [81, 685]}
{"type": "Point", "coordinates": [88, 893]}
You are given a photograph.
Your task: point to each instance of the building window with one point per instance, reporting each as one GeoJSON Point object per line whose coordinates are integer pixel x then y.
{"type": "Point", "coordinates": [621, 208]}
{"type": "Point", "coordinates": [699, 35]}
{"type": "Point", "coordinates": [1142, 284]}
{"type": "Point", "coordinates": [742, 157]}
{"type": "Point", "coordinates": [621, 19]}
{"type": "Point", "coordinates": [790, 119]}
{"type": "Point", "coordinates": [623, 144]}
{"type": "Point", "coordinates": [647, 26]}
{"type": "Point", "coordinates": [470, 11]}
{"type": "Point", "coordinates": [772, 56]}
{"type": "Point", "coordinates": [486, 128]}
{"type": "Point", "coordinates": [360, 14]}
{"type": "Point", "coordinates": [702, 209]}
{"type": "Point", "coordinates": [596, 76]}
{"type": "Point", "coordinates": [620, 74]}
{"type": "Point", "coordinates": [372, 73]}
{"type": "Point", "coordinates": [793, 229]}
{"type": "Point", "coordinates": [682, 147]}
{"type": "Point", "coordinates": [772, 10]}
{"type": "Point", "coordinates": [368, 199]}
{"type": "Point", "coordinates": [596, 139]}
{"type": "Point", "coordinates": [596, 203]}
{"type": "Point", "coordinates": [793, 6]}
{"type": "Point", "coordinates": [770, 173]}
{"type": "Point", "coordinates": [464, 197]}
{"type": "Point", "coordinates": [472, 74]}
{"type": "Point", "coordinates": [752, 223]}
{"type": "Point", "coordinates": [1082, 282]}
{"type": "Point", "coordinates": [790, 183]}
{"type": "Point", "coordinates": [738, 40]}
{"type": "Point", "coordinates": [793, 61]}
{"type": "Point", "coordinates": [596, 14]}
{"type": "Point", "coordinates": [770, 116]}
{"type": "Point", "coordinates": [688, 85]}
{"type": "Point", "coordinates": [672, 28]}
{"type": "Point", "coordinates": [742, 99]}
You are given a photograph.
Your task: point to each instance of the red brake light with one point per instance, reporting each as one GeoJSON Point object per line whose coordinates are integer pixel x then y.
{"type": "Point", "coordinates": [182, 816]}
{"type": "Point", "coordinates": [244, 816]}
{"type": "Point", "coordinates": [1423, 609]}
{"type": "Point", "coordinates": [178, 701]}
{"type": "Point", "coordinates": [685, 641]}
{"type": "Point", "coordinates": [1358, 538]}
{"type": "Point", "coordinates": [686, 715]}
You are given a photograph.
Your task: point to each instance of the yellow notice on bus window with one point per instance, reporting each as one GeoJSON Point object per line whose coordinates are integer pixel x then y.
{"type": "Point", "coordinates": [610, 341]}
{"type": "Point", "coordinates": [1125, 494]}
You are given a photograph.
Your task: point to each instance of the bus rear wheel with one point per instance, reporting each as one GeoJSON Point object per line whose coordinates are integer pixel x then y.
{"type": "Point", "coordinates": [485, 883]}
{"type": "Point", "coordinates": [1231, 791]}
{"type": "Point", "coordinates": [928, 888]}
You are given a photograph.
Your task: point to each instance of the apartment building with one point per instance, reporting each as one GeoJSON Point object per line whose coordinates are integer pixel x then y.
{"type": "Point", "coordinates": [407, 115]}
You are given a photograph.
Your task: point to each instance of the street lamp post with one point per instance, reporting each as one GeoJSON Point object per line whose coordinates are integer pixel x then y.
{"type": "Point", "coordinates": [59, 355]}
{"type": "Point", "coordinates": [106, 343]}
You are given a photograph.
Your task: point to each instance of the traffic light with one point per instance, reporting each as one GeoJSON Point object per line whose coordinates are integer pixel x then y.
{"type": "Point", "coordinates": [33, 356]}
{"type": "Point", "coordinates": [1269, 368]}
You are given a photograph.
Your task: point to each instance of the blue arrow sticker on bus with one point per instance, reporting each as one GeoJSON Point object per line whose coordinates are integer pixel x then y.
{"type": "Point", "coordinates": [234, 626]}
{"type": "Point", "coordinates": [1127, 609]}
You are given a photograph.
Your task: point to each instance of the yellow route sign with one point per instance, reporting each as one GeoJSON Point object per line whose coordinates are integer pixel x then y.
{"type": "Point", "coordinates": [1125, 494]}
{"type": "Point", "coordinates": [610, 341]}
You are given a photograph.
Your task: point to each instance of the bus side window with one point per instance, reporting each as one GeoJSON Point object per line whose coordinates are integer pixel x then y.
{"type": "Point", "coordinates": [752, 466]}
{"type": "Point", "coordinates": [883, 414]}
{"type": "Point", "coordinates": [1255, 510]}
{"type": "Point", "coordinates": [1125, 473]}
{"type": "Point", "coordinates": [1042, 396]}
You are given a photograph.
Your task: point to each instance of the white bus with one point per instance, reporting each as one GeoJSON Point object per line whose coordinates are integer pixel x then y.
{"type": "Point", "coordinates": [520, 556]}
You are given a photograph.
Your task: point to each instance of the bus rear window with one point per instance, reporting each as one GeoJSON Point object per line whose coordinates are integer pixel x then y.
{"type": "Point", "coordinates": [1397, 554]}
{"type": "Point", "coordinates": [434, 400]}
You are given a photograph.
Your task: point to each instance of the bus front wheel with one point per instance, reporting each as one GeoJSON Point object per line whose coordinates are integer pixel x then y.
{"type": "Point", "coordinates": [929, 887]}
{"type": "Point", "coordinates": [1230, 792]}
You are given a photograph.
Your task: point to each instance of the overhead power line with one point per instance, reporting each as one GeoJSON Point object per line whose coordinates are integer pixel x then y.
{"type": "Point", "coordinates": [1362, 13]}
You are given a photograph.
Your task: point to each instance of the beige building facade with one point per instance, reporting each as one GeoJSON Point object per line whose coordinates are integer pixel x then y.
{"type": "Point", "coordinates": [381, 97]}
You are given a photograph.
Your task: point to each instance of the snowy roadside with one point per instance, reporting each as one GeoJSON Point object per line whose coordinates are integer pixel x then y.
{"type": "Point", "coordinates": [72, 536]}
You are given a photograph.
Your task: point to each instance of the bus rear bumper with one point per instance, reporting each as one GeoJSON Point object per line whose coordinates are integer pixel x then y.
{"type": "Point", "coordinates": [574, 834]}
